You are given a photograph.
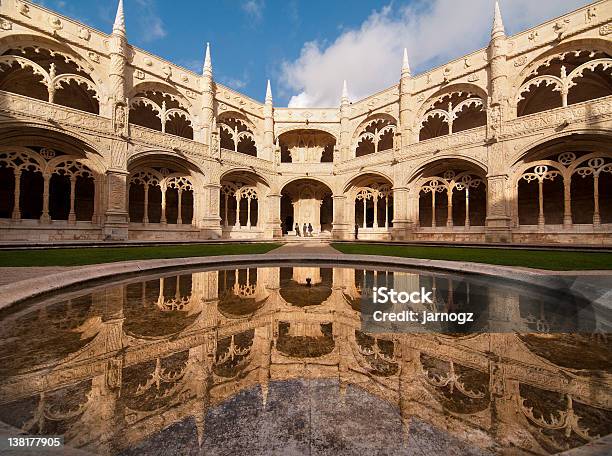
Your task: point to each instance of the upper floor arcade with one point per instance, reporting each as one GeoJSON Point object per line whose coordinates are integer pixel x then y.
{"type": "Point", "coordinates": [54, 59]}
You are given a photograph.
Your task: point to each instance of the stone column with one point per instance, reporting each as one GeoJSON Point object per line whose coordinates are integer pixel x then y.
{"type": "Point", "coordinates": [567, 202]}
{"type": "Point", "coordinates": [273, 221]}
{"type": "Point", "coordinates": [116, 215]}
{"type": "Point", "coordinates": [341, 228]}
{"type": "Point", "coordinates": [163, 220]}
{"type": "Point", "coordinates": [208, 205]}
{"type": "Point", "coordinates": [596, 216]}
{"type": "Point", "coordinates": [72, 214]}
{"type": "Point", "coordinates": [145, 216]}
{"type": "Point", "coordinates": [402, 223]}
{"type": "Point", "coordinates": [498, 220]}
{"type": "Point", "coordinates": [44, 217]}
{"type": "Point", "coordinates": [16, 215]}
{"type": "Point", "coordinates": [237, 222]}
{"type": "Point", "coordinates": [179, 216]}
{"type": "Point", "coordinates": [449, 208]}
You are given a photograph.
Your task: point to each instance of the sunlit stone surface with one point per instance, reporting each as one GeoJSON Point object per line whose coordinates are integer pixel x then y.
{"type": "Point", "coordinates": [276, 360]}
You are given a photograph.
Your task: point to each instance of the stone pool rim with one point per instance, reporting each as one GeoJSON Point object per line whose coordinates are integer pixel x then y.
{"type": "Point", "coordinates": [30, 288]}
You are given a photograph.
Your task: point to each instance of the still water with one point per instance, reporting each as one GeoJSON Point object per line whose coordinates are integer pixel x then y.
{"type": "Point", "coordinates": [277, 360]}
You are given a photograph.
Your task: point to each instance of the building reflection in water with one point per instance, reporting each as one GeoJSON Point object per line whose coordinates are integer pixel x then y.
{"type": "Point", "coordinates": [112, 367]}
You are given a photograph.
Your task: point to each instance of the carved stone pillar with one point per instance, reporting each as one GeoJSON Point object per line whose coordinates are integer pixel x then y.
{"type": "Point", "coordinates": [498, 220]}
{"type": "Point", "coordinates": [16, 215]}
{"type": "Point", "coordinates": [72, 214]}
{"type": "Point", "coordinates": [208, 207]}
{"type": "Point", "coordinates": [116, 216]}
{"type": "Point", "coordinates": [402, 224]}
{"type": "Point", "coordinates": [272, 227]}
{"type": "Point", "coordinates": [45, 217]}
{"type": "Point", "coordinates": [341, 228]}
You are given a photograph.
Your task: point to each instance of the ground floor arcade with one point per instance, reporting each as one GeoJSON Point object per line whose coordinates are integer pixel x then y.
{"type": "Point", "coordinates": [55, 189]}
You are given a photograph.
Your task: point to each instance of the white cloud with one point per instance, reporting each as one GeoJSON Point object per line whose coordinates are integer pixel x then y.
{"type": "Point", "coordinates": [434, 31]}
{"type": "Point", "coordinates": [150, 23]}
{"type": "Point", "coordinates": [254, 8]}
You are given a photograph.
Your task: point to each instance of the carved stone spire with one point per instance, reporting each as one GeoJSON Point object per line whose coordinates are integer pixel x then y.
{"type": "Point", "coordinates": [268, 137]}
{"type": "Point", "coordinates": [119, 25]}
{"type": "Point", "coordinates": [268, 93]}
{"type": "Point", "coordinates": [345, 97]}
{"type": "Point", "coordinates": [118, 57]}
{"type": "Point", "coordinates": [498, 24]}
{"type": "Point", "coordinates": [207, 70]}
{"type": "Point", "coordinates": [208, 97]}
{"type": "Point", "coordinates": [405, 64]}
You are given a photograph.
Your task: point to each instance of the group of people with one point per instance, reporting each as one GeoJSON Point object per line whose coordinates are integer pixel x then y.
{"type": "Point", "coordinates": [306, 230]}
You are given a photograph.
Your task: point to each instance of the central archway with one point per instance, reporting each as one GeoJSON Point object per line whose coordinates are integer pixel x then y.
{"type": "Point", "coordinates": [304, 202]}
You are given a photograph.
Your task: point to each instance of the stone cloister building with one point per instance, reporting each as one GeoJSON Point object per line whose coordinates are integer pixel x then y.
{"type": "Point", "coordinates": [101, 140]}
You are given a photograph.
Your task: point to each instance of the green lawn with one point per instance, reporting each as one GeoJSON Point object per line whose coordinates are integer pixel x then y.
{"type": "Point", "coordinates": [80, 256]}
{"type": "Point", "coordinates": [556, 260]}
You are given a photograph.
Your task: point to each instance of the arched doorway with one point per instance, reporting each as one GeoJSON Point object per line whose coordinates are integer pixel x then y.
{"type": "Point", "coordinates": [307, 202]}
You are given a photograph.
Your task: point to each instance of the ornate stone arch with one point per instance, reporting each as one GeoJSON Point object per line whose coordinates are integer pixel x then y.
{"type": "Point", "coordinates": [454, 108]}
{"type": "Point", "coordinates": [237, 130]}
{"type": "Point", "coordinates": [524, 151]}
{"type": "Point", "coordinates": [72, 142]}
{"type": "Point", "coordinates": [597, 54]}
{"type": "Point", "coordinates": [162, 87]}
{"type": "Point", "coordinates": [261, 177]}
{"type": "Point", "coordinates": [67, 79]}
{"type": "Point", "coordinates": [429, 161]}
{"type": "Point", "coordinates": [63, 49]}
{"type": "Point", "coordinates": [379, 129]}
{"type": "Point", "coordinates": [348, 183]}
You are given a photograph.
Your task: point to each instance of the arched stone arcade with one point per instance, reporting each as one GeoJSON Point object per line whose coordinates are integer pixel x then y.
{"type": "Point", "coordinates": [564, 185]}
{"type": "Point", "coordinates": [371, 198]}
{"type": "Point", "coordinates": [306, 202]}
{"type": "Point", "coordinates": [242, 204]}
{"type": "Point", "coordinates": [452, 199]}
{"type": "Point", "coordinates": [50, 73]}
{"type": "Point", "coordinates": [574, 73]}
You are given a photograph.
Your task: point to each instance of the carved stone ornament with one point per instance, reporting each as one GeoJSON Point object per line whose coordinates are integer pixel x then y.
{"type": "Point", "coordinates": [190, 94]}
{"type": "Point", "coordinates": [533, 37]}
{"type": "Point", "coordinates": [560, 28]}
{"type": "Point", "coordinates": [84, 34]}
{"type": "Point", "coordinates": [605, 29]}
{"type": "Point", "coordinates": [473, 77]}
{"type": "Point", "coordinates": [139, 74]}
{"type": "Point", "coordinates": [184, 77]}
{"type": "Point", "coordinates": [120, 119]}
{"type": "Point", "coordinates": [23, 9]}
{"type": "Point", "coordinates": [148, 62]}
{"type": "Point", "coordinates": [167, 72]}
{"type": "Point", "coordinates": [522, 60]}
{"type": "Point", "coordinates": [93, 56]}
{"type": "Point", "coordinates": [55, 22]}
{"type": "Point", "coordinates": [5, 25]}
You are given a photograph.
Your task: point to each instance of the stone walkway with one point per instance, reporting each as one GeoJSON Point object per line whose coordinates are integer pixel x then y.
{"type": "Point", "coordinates": [13, 274]}
{"type": "Point", "coordinates": [306, 247]}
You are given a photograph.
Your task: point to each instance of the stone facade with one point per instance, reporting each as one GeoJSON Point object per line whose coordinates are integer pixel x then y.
{"type": "Point", "coordinates": [101, 140]}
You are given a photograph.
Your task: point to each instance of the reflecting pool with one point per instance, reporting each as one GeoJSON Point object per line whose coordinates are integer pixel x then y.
{"type": "Point", "coordinates": [279, 360]}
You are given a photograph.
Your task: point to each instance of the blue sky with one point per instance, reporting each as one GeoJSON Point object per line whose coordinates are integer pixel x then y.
{"type": "Point", "coordinates": [308, 47]}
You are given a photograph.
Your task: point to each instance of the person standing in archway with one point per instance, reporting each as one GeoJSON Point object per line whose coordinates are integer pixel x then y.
{"type": "Point", "coordinates": [305, 230]}
{"type": "Point", "coordinates": [310, 230]}
{"type": "Point", "coordinates": [297, 229]}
